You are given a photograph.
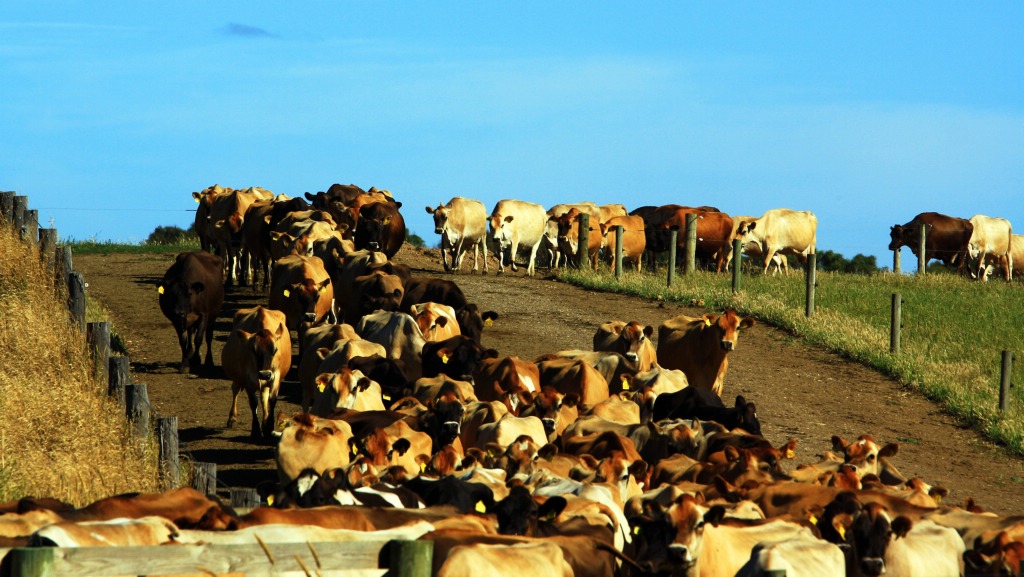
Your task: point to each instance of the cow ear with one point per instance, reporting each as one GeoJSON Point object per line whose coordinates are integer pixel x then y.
{"type": "Point", "coordinates": [322, 380]}
{"type": "Point", "coordinates": [648, 331]}
{"type": "Point", "coordinates": [363, 383]}
{"type": "Point", "coordinates": [747, 322]}
{"type": "Point", "coordinates": [401, 445]}
{"type": "Point", "coordinates": [547, 452]}
{"type": "Point", "coordinates": [430, 210]}
{"type": "Point", "coordinates": [889, 450]}
{"type": "Point", "coordinates": [509, 218]}
{"type": "Point", "coordinates": [571, 400]}
{"type": "Point", "coordinates": [901, 526]}
{"type": "Point", "coordinates": [441, 321]}
{"type": "Point", "coordinates": [751, 225]}
{"type": "Point", "coordinates": [490, 354]}
{"type": "Point", "coordinates": [322, 352]}
{"type": "Point", "coordinates": [709, 319]}
{"type": "Point", "coordinates": [552, 508]}
{"type": "Point", "coordinates": [715, 515]}
{"type": "Point", "coordinates": [323, 285]}
{"type": "Point", "coordinates": [398, 293]}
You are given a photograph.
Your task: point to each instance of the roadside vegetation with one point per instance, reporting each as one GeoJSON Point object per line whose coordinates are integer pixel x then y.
{"type": "Point", "coordinates": [60, 436]}
{"type": "Point", "coordinates": [954, 330]}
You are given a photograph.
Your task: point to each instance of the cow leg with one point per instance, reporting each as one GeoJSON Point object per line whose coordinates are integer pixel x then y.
{"type": "Point", "coordinates": [209, 341]}
{"type": "Point", "coordinates": [533, 257]}
{"type": "Point", "coordinates": [457, 253]}
{"type": "Point", "coordinates": [183, 368]}
{"type": "Point", "coordinates": [513, 251]}
{"type": "Point", "coordinates": [768, 256]}
{"type": "Point", "coordinates": [253, 401]}
{"type": "Point", "coordinates": [195, 337]}
{"type": "Point", "coordinates": [269, 403]}
{"type": "Point", "coordinates": [233, 413]}
{"type": "Point", "coordinates": [483, 244]}
{"type": "Point", "coordinates": [445, 247]}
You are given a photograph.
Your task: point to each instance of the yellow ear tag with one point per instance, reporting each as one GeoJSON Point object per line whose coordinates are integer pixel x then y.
{"type": "Point", "coordinates": [196, 199]}
{"type": "Point", "coordinates": [321, 387]}
{"type": "Point", "coordinates": [423, 467]}
{"type": "Point", "coordinates": [386, 397]}
{"type": "Point", "coordinates": [938, 498]}
{"type": "Point", "coordinates": [813, 520]}
{"type": "Point", "coordinates": [288, 293]}
{"type": "Point", "coordinates": [625, 383]}
{"type": "Point", "coordinates": [480, 507]}
{"type": "Point", "coordinates": [488, 323]}
{"type": "Point", "coordinates": [355, 451]}
{"type": "Point", "coordinates": [160, 290]}
{"type": "Point", "coordinates": [270, 500]}
{"type": "Point", "coordinates": [636, 530]}
{"type": "Point", "coordinates": [707, 322]}
{"type": "Point", "coordinates": [444, 359]}
{"type": "Point", "coordinates": [842, 532]}
{"type": "Point", "coordinates": [790, 454]}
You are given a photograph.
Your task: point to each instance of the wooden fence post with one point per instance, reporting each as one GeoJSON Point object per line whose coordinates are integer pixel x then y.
{"type": "Point", "coordinates": [896, 261]}
{"type": "Point", "coordinates": [76, 299]}
{"type": "Point", "coordinates": [737, 261]}
{"type": "Point", "coordinates": [97, 334]}
{"type": "Point", "coordinates": [62, 267]}
{"type": "Point", "coordinates": [48, 245]}
{"type": "Point", "coordinates": [167, 438]}
{"type": "Point", "coordinates": [6, 207]}
{"type": "Point", "coordinates": [30, 228]}
{"type": "Point", "coordinates": [812, 266]}
{"type": "Point", "coordinates": [244, 498]}
{"type": "Point", "coordinates": [410, 558]}
{"type": "Point", "coordinates": [136, 397]}
{"type": "Point", "coordinates": [204, 477]}
{"type": "Point", "coordinates": [118, 378]}
{"type": "Point", "coordinates": [618, 251]}
{"type": "Point", "coordinates": [922, 260]}
{"type": "Point", "coordinates": [18, 214]}
{"type": "Point", "coordinates": [1004, 381]}
{"type": "Point", "coordinates": [32, 562]}
{"type": "Point", "coordinates": [582, 248]}
{"type": "Point", "coordinates": [673, 237]}
{"type": "Point", "coordinates": [691, 243]}
{"type": "Point", "coordinates": [895, 324]}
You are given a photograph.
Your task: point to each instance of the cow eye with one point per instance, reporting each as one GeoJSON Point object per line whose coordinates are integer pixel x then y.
{"type": "Point", "coordinates": [871, 458]}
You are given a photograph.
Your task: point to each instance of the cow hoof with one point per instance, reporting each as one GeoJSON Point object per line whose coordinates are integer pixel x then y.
{"type": "Point", "coordinates": [231, 422]}
{"type": "Point", "coordinates": [183, 369]}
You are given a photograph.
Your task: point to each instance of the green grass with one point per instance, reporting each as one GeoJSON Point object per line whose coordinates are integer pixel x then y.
{"type": "Point", "coordinates": [110, 247]}
{"type": "Point", "coordinates": [954, 330]}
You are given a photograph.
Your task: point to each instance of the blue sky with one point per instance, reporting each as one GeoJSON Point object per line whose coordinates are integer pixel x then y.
{"type": "Point", "coordinates": [865, 113]}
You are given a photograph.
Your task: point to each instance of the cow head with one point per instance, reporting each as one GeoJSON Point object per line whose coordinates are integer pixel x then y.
{"type": "Point", "coordinates": [379, 291]}
{"type": "Point", "coordinates": [727, 326]}
{"type": "Point", "coordinates": [444, 421]}
{"type": "Point", "coordinates": [670, 543]}
{"type": "Point", "coordinates": [519, 514]}
{"type": "Point", "coordinates": [747, 416]}
{"type": "Point", "coordinates": [304, 297]}
{"type": "Point", "coordinates": [472, 321]}
{"type": "Point", "coordinates": [865, 530]}
{"type": "Point", "coordinates": [501, 230]}
{"type": "Point", "coordinates": [632, 338]}
{"type": "Point", "coordinates": [440, 218]}
{"type": "Point", "coordinates": [339, 390]}
{"type": "Point", "coordinates": [898, 236]}
{"type": "Point", "coordinates": [864, 454]}
{"type": "Point", "coordinates": [458, 357]}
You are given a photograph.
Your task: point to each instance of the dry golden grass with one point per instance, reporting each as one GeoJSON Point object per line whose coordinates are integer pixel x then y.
{"type": "Point", "coordinates": [60, 436]}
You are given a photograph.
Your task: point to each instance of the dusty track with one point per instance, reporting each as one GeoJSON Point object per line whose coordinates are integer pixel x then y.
{"type": "Point", "coordinates": [801, 392]}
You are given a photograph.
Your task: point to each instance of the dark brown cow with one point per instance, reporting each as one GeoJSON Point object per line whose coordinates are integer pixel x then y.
{"type": "Point", "coordinates": [302, 290]}
{"type": "Point", "coordinates": [380, 227]}
{"type": "Point", "coordinates": [699, 346]}
{"type": "Point", "coordinates": [713, 232]}
{"type": "Point", "coordinates": [375, 291]}
{"type": "Point", "coordinates": [946, 237]}
{"type": "Point", "coordinates": [191, 295]}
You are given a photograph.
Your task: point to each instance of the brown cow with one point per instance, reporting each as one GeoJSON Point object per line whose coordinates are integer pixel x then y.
{"type": "Point", "coordinates": [257, 355]}
{"type": "Point", "coordinates": [699, 346]}
{"type": "Point", "coordinates": [510, 380]}
{"type": "Point", "coordinates": [302, 290]}
{"type": "Point", "coordinates": [632, 340]}
{"type": "Point", "coordinates": [375, 291]}
{"type": "Point", "coordinates": [437, 322]}
{"type": "Point", "coordinates": [380, 227]}
{"type": "Point", "coordinates": [191, 295]}
{"type": "Point", "coordinates": [946, 237]}
{"type": "Point", "coordinates": [308, 442]}
{"type": "Point", "coordinates": [713, 232]}
{"type": "Point", "coordinates": [569, 234]}
{"type": "Point", "coordinates": [634, 241]}
{"type": "Point", "coordinates": [574, 377]}
{"type": "Point", "coordinates": [227, 215]}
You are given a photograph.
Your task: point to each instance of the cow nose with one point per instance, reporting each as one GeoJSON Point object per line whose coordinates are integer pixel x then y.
{"type": "Point", "coordinates": [438, 230]}
{"type": "Point", "coordinates": [266, 375]}
{"type": "Point", "coordinates": [310, 317]}
{"type": "Point", "coordinates": [451, 427]}
{"type": "Point", "coordinates": [728, 345]}
{"type": "Point", "coordinates": [872, 566]}
{"type": "Point", "coordinates": [374, 246]}
{"type": "Point", "coordinates": [680, 553]}
{"type": "Point", "coordinates": [633, 357]}
{"type": "Point", "coordinates": [549, 425]}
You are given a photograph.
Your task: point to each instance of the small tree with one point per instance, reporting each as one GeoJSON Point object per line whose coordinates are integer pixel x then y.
{"type": "Point", "coordinates": [171, 235]}
{"type": "Point", "coordinates": [414, 239]}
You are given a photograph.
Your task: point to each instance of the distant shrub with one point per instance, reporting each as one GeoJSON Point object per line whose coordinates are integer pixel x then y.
{"type": "Point", "coordinates": [171, 235]}
{"type": "Point", "coordinates": [415, 239]}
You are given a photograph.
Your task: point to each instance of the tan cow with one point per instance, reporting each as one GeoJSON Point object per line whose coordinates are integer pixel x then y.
{"type": "Point", "coordinates": [569, 377]}
{"type": "Point", "coordinates": [780, 231]}
{"type": "Point", "coordinates": [462, 223]}
{"type": "Point", "coordinates": [632, 340]}
{"type": "Point", "coordinates": [302, 289]}
{"type": "Point", "coordinates": [227, 215]}
{"type": "Point", "coordinates": [991, 237]}
{"type": "Point", "coordinates": [308, 442]}
{"type": "Point", "coordinates": [400, 336]}
{"type": "Point", "coordinates": [323, 336]}
{"type": "Point", "coordinates": [569, 233]}
{"type": "Point", "coordinates": [437, 322]}
{"type": "Point", "coordinates": [516, 224]}
{"type": "Point", "coordinates": [634, 239]}
{"type": "Point", "coordinates": [1016, 256]}
{"type": "Point", "coordinates": [256, 356]}
{"type": "Point", "coordinates": [780, 261]}
{"type": "Point", "coordinates": [505, 560]}
{"type": "Point", "coordinates": [345, 389]}
{"type": "Point", "coordinates": [550, 241]}
{"type": "Point", "coordinates": [699, 346]}
{"type": "Point", "coordinates": [505, 380]}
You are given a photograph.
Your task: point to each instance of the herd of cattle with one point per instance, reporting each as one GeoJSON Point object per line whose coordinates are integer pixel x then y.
{"type": "Point", "coordinates": [976, 247]}
{"type": "Point", "coordinates": [622, 460]}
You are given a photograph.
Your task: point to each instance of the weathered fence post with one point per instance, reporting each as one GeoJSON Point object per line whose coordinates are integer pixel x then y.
{"type": "Point", "coordinates": [410, 558]}
{"type": "Point", "coordinates": [204, 477]}
{"type": "Point", "coordinates": [691, 243]}
{"type": "Point", "coordinates": [896, 261]}
{"type": "Point", "coordinates": [737, 260]}
{"type": "Point", "coordinates": [583, 248]}
{"type": "Point", "coordinates": [18, 214]}
{"type": "Point", "coordinates": [167, 437]}
{"type": "Point", "coordinates": [618, 251]}
{"type": "Point", "coordinates": [673, 237]}
{"type": "Point", "coordinates": [118, 378]}
{"type": "Point", "coordinates": [244, 498]}
{"type": "Point", "coordinates": [895, 324]}
{"type": "Point", "coordinates": [76, 299]}
{"type": "Point", "coordinates": [97, 335]}
{"type": "Point", "coordinates": [812, 266]}
{"type": "Point", "coordinates": [1004, 381]}
{"type": "Point", "coordinates": [32, 562]}
{"type": "Point", "coordinates": [30, 227]}
{"type": "Point", "coordinates": [922, 260]}
{"type": "Point", "coordinates": [136, 398]}
{"type": "Point", "coordinates": [48, 245]}
{"type": "Point", "coordinates": [62, 267]}
{"type": "Point", "coordinates": [7, 207]}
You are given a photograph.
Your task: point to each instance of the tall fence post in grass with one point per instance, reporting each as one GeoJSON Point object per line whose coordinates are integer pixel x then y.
{"type": "Point", "coordinates": [1004, 381]}
{"type": "Point", "coordinates": [7, 207]}
{"type": "Point", "coordinates": [118, 378]}
{"type": "Point", "coordinates": [136, 398]}
{"type": "Point", "coordinates": [922, 260]}
{"type": "Point", "coordinates": [812, 266]}
{"type": "Point", "coordinates": [47, 245]}
{"type": "Point", "coordinates": [18, 214]}
{"type": "Point", "coordinates": [673, 237]}
{"type": "Point", "coordinates": [410, 558]}
{"type": "Point", "coordinates": [204, 477]}
{"type": "Point", "coordinates": [30, 228]}
{"type": "Point", "coordinates": [691, 243]}
{"type": "Point", "coordinates": [582, 251]}
{"type": "Point", "coordinates": [894, 326]}
{"type": "Point", "coordinates": [618, 251]}
{"type": "Point", "coordinates": [76, 299]}
{"type": "Point", "coordinates": [62, 267]}
{"type": "Point", "coordinates": [737, 260]}
{"type": "Point", "coordinates": [97, 334]}
{"type": "Point", "coordinates": [896, 261]}
{"type": "Point", "coordinates": [167, 437]}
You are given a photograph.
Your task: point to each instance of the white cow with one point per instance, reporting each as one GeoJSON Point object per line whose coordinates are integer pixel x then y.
{"type": "Point", "coordinates": [462, 223]}
{"type": "Point", "coordinates": [515, 224]}
{"type": "Point", "coordinates": [990, 238]}
{"type": "Point", "coordinates": [779, 231]}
